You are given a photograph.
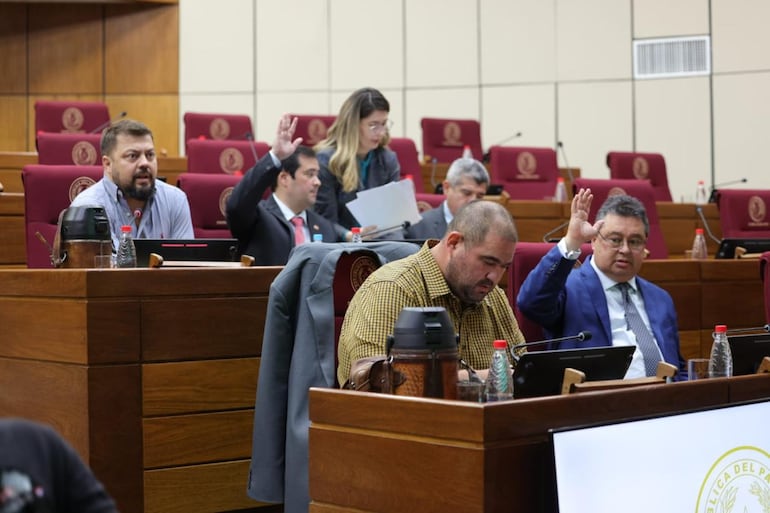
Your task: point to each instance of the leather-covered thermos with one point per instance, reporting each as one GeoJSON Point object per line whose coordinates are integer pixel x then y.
{"type": "Point", "coordinates": [423, 349]}
{"type": "Point", "coordinates": [82, 234]}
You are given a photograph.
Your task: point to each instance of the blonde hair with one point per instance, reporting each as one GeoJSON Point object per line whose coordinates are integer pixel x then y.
{"type": "Point", "coordinates": [344, 135]}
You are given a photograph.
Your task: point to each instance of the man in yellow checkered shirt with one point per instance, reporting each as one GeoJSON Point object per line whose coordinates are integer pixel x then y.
{"type": "Point", "coordinates": [460, 273]}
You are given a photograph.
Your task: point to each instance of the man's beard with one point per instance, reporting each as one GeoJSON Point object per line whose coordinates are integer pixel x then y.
{"type": "Point", "coordinates": [461, 288]}
{"type": "Point", "coordinates": [142, 194]}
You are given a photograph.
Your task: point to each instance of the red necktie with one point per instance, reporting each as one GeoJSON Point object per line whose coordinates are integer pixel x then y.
{"type": "Point", "coordinates": [299, 235]}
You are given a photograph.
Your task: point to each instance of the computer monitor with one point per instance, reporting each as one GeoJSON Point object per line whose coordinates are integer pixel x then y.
{"type": "Point", "coordinates": [188, 250]}
{"type": "Point", "coordinates": [748, 352]}
{"type": "Point", "coordinates": [541, 373]}
{"type": "Point", "coordinates": [709, 460]}
{"type": "Point", "coordinates": [727, 246]}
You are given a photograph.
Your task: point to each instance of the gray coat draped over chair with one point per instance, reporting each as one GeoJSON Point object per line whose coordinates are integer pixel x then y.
{"type": "Point", "coordinates": [297, 353]}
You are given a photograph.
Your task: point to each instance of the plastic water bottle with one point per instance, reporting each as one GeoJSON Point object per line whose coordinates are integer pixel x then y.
{"type": "Point", "coordinates": [318, 237]}
{"type": "Point", "coordinates": [560, 194]}
{"type": "Point", "coordinates": [699, 250]}
{"type": "Point", "coordinates": [499, 385]}
{"type": "Point", "coordinates": [126, 250]}
{"type": "Point", "coordinates": [467, 153]}
{"type": "Point", "coordinates": [701, 197]}
{"type": "Point", "coordinates": [721, 361]}
{"type": "Point", "coordinates": [356, 234]}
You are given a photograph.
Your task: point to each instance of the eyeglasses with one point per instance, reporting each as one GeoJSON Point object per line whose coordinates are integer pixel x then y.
{"type": "Point", "coordinates": [616, 242]}
{"type": "Point", "coordinates": [377, 128]}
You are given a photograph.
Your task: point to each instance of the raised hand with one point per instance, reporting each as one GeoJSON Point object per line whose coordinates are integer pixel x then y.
{"type": "Point", "coordinates": [284, 146]}
{"type": "Point", "coordinates": [579, 229]}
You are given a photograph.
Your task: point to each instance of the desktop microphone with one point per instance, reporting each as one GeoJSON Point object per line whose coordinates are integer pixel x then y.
{"type": "Point", "coordinates": [699, 209]}
{"type": "Point", "coordinates": [765, 328]}
{"type": "Point", "coordinates": [547, 236]}
{"type": "Point", "coordinates": [250, 137]}
{"type": "Point", "coordinates": [104, 125]}
{"type": "Point", "coordinates": [438, 188]}
{"type": "Point", "coordinates": [486, 156]}
{"type": "Point", "coordinates": [560, 146]}
{"type": "Point", "coordinates": [581, 337]}
{"type": "Point", "coordinates": [715, 188]}
{"type": "Point", "coordinates": [403, 226]}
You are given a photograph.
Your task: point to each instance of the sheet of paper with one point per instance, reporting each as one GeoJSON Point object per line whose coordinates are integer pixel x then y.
{"type": "Point", "coordinates": [386, 206]}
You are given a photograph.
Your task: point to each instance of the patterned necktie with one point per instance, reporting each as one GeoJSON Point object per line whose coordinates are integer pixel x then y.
{"type": "Point", "coordinates": [299, 235]}
{"type": "Point", "coordinates": [644, 339]}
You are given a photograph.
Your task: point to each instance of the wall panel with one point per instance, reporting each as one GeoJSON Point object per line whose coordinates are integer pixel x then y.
{"type": "Point", "coordinates": [141, 50]}
{"type": "Point", "coordinates": [65, 49]}
{"type": "Point", "coordinates": [13, 48]}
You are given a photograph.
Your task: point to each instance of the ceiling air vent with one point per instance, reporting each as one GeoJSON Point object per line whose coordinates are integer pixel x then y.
{"type": "Point", "coordinates": [672, 57]}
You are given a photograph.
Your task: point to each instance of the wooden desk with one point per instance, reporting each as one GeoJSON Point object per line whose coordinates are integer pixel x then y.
{"type": "Point", "coordinates": [436, 173]}
{"type": "Point", "coordinates": [149, 373]}
{"type": "Point", "coordinates": [13, 246]}
{"type": "Point", "coordinates": [707, 293]}
{"type": "Point", "coordinates": [380, 453]}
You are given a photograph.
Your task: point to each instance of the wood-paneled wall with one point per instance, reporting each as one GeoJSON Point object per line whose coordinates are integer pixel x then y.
{"type": "Point", "coordinates": [124, 55]}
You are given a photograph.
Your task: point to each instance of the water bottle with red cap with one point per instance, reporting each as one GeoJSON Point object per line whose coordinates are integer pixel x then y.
{"type": "Point", "coordinates": [126, 250]}
{"type": "Point", "coordinates": [499, 384]}
{"type": "Point", "coordinates": [721, 361]}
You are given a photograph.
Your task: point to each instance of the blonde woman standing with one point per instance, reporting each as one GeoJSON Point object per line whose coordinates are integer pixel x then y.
{"type": "Point", "coordinates": [354, 157]}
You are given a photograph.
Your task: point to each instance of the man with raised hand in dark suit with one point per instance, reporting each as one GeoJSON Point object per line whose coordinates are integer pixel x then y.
{"type": "Point", "coordinates": [466, 181]}
{"type": "Point", "coordinates": [605, 295]}
{"type": "Point", "coordinates": [268, 229]}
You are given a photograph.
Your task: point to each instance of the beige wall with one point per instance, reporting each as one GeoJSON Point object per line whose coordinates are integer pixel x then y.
{"type": "Point", "coordinates": [552, 69]}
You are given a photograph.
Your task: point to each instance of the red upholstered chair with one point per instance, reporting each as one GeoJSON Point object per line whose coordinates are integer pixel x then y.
{"type": "Point", "coordinates": [764, 272]}
{"type": "Point", "coordinates": [47, 191]}
{"type": "Point", "coordinates": [217, 126]}
{"type": "Point", "coordinates": [525, 258]}
{"type": "Point", "coordinates": [406, 151]}
{"type": "Point", "coordinates": [69, 149]}
{"type": "Point", "coordinates": [743, 213]}
{"type": "Point", "coordinates": [70, 116]}
{"type": "Point", "coordinates": [524, 173]}
{"type": "Point", "coordinates": [207, 195]}
{"type": "Point", "coordinates": [641, 166]}
{"type": "Point", "coordinates": [230, 157]}
{"type": "Point", "coordinates": [313, 127]}
{"type": "Point", "coordinates": [639, 189]}
{"type": "Point", "coordinates": [444, 139]}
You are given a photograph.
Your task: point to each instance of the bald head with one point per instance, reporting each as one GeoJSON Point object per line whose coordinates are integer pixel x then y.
{"type": "Point", "coordinates": [476, 219]}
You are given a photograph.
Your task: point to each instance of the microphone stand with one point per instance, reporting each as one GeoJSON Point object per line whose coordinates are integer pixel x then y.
{"type": "Point", "coordinates": [403, 226]}
{"type": "Point", "coordinates": [582, 336]}
{"type": "Point", "coordinates": [699, 209]}
{"type": "Point", "coordinates": [765, 328]}
{"type": "Point", "coordinates": [715, 188]}
{"type": "Point", "coordinates": [546, 237]}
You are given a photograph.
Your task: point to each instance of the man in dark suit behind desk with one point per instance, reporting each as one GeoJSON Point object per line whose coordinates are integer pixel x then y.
{"type": "Point", "coordinates": [466, 181]}
{"type": "Point", "coordinates": [268, 229]}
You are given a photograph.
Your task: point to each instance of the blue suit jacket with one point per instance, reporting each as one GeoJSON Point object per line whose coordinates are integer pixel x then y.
{"type": "Point", "coordinates": [565, 302]}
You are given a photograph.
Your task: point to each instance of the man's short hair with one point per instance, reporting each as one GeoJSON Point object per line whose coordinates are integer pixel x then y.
{"type": "Point", "coordinates": [123, 127]}
{"type": "Point", "coordinates": [624, 206]}
{"type": "Point", "coordinates": [291, 163]}
{"type": "Point", "coordinates": [471, 168]}
{"type": "Point", "coordinates": [477, 218]}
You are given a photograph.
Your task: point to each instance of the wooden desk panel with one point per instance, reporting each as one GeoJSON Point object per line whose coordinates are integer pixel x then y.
{"type": "Point", "coordinates": [182, 420]}
{"type": "Point", "coordinates": [397, 453]}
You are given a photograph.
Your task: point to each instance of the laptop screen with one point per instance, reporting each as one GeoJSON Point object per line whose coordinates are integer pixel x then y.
{"type": "Point", "coordinates": [200, 250]}
{"type": "Point", "coordinates": [727, 246]}
{"type": "Point", "coordinates": [540, 373]}
{"type": "Point", "coordinates": [748, 352]}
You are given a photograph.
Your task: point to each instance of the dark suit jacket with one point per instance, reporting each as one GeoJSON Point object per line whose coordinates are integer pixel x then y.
{"type": "Point", "coordinates": [566, 302]}
{"type": "Point", "coordinates": [259, 225]}
{"type": "Point", "coordinates": [384, 168]}
{"type": "Point", "coordinates": [298, 352]}
{"type": "Point", "coordinates": [432, 226]}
